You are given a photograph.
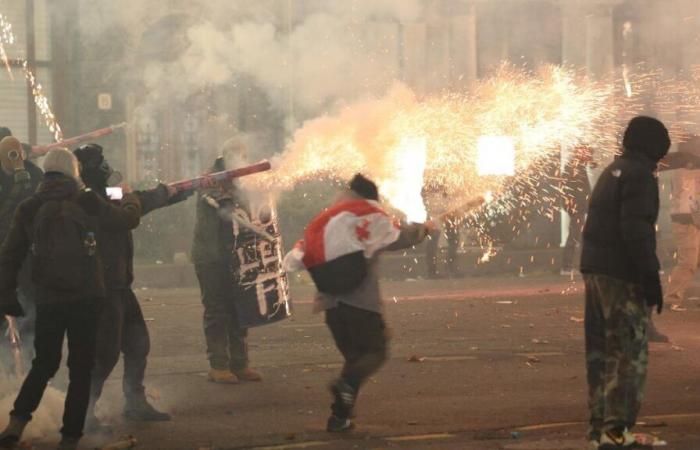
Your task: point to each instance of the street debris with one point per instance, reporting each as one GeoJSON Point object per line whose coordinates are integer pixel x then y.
{"type": "Point", "coordinates": [649, 439]}
{"type": "Point", "coordinates": [129, 442]}
{"type": "Point", "coordinates": [576, 319]}
{"type": "Point", "coordinates": [416, 358]}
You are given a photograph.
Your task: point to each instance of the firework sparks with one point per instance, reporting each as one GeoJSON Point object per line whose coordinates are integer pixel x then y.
{"type": "Point", "coordinates": [6, 37]}
{"type": "Point", "coordinates": [496, 156]}
{"type": "Point", "coordinates": [42, 102]}
{"type": "Point", "coordinates": [403, 189]}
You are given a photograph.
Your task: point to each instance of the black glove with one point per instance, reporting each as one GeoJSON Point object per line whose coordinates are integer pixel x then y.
{"type": "Point", "coordinates": [9, 306]}
{"type": "Point", "coordinates": [180, 196]}
{"type": "Point", "coordinates": [651, 289]}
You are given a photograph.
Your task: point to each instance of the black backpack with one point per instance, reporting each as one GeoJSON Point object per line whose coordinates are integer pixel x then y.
{"type": "Point", "coordinates": [64, 248]}
{"type": "Point", "coordinates": [342, 275]}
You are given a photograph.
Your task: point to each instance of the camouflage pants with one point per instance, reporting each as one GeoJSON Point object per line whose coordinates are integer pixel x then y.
{"type": "Point", "coordinates": [616, 352]}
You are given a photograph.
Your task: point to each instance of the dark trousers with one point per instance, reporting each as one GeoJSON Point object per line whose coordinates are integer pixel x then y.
{"type": "Point", "coordinates": [361, 338]}
{"type": "Point", "coordinates": [432, 249]}
{"type": "Point", "coordinates": [77, 320]}
{"type": "Point", "coordinates": [227, 345]}
{"type": "Point", "coordinates": [573, 241]}
{"type": "Point", "coordinates": [122, 329]}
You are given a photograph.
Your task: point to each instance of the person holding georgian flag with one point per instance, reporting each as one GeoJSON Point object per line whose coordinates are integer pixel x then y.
{"type": "Point", "coordinates": [340, 250]}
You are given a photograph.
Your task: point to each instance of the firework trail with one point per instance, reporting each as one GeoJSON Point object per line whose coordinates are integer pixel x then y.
{"type": "Point", "coordinates": [6, 37]}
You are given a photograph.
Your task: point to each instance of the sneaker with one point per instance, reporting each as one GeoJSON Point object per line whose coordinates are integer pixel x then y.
{"type": "Point", "coordinates": [10, 437]}
{"type": "Point", "coordinates": [142, 411]}
{"type": "Point", "coordinates": [616, 440]}
{"type": "Point", "coordinates": [248, 374]}
{"type": "Point", "coordinates": [593, 444]}
{"type": "Point", "coordinates": [337, 425]}
{"type": "Point", "coordinates": [9, 441]}
{"type": "Point", "coordinates": [222, 376]}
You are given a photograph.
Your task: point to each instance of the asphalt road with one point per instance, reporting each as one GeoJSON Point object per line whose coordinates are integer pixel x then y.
{"type": "Point", "coordinates": [500, 366]}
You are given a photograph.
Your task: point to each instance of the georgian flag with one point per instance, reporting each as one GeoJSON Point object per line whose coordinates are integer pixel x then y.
{"type": "Point", "coordinates": [347, 227]}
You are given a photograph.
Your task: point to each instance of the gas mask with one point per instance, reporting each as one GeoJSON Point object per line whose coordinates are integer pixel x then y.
{"type": "Point", "coordinates": [95, 170]}
{"type": "Point", "coordinates": [12, 159]}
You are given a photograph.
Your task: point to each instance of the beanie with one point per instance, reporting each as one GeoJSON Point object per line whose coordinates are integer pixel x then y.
{"type": "Point", "coordinates": [61, 160]}
{"type": "Point", "coordinates": [648, 136]}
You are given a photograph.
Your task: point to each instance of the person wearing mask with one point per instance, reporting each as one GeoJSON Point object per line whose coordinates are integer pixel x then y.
{"type": "Point", "coordinates": [19, 179]}
{"type": "Point", "coordinates": [345, 269]}
{"type": "Point", "coordinates": [621, 274]}
{"type": "Point", "coordinates": [122, 328]}
{"type": "Point", "coordinates": [216, 263]}
{"type": "Point", "coordinates": [57, 227]}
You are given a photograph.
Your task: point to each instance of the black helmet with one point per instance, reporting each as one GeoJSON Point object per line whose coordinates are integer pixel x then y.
{"type": "Point", "coordinates": [94, 169]}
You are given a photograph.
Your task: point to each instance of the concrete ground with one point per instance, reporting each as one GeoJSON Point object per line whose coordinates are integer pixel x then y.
{"type": "Point", "coordinates": [499, 364]}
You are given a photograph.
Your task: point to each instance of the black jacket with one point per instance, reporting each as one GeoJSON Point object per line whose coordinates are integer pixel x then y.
{"type": "Point", "coordinates": [116, 247]}
{"type": "Point", "coordinates": [19, 239]}
{"type": "Point", "coordinates": [619, 238]}
{"type": "Point", "coordinates": [11, 195]}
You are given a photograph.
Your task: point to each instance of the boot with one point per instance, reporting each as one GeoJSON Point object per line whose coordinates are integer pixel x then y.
{"type": "Point", "coordinates": [10, 437]}
{"type": "Point", "coordinates": [68, 443]}
{"type": "Point", "coordinates": [222, 376]}
{"type": "Point", "coordinates": [141, 411]}
{"type": "Point", "coordinates": [248, 374]}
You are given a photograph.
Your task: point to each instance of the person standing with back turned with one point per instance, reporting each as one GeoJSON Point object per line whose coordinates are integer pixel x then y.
{"type": "Point", "coordinates": [621, 274]}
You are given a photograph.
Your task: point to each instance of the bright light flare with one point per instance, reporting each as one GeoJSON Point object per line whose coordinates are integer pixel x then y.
{"type": "Point", "coordinates": [495, 156]}
{"type": "Point", "coordinates": [6, 37]}
{"type": "Point", "coordinates": [403, 188]}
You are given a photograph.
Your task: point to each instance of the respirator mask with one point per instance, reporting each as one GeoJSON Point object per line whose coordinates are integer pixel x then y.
{"type": "Point", "coordinates": [12, 159]}
{"type": "Point", "coordinates": [95, 170]}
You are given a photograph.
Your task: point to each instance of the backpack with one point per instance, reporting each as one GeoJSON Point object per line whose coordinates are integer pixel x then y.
{"type": "Point", "coordinates": [342, 275]}
{"type": "Point", "coordinates": [64, 249]}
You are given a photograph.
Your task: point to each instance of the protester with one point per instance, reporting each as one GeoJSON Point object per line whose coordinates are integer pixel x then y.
{"type": "Point", "coordinates": [621, 275]}
{"type": "Point", "coordinates": [122, 328]}
{"type": "Point", "coordinates": [437, 203]}
{"type": "Point", "coordinates": [577, 190]}
{"type": "Point", "coordinates": [685, 222]}
{"type": "Point", "coordinates": [19, 180]}
{"type": "Point", "coordinates": [345, 270]}
{"type": "Point", "coordinates": [216, 264]}
{"type": "Point", "coordinates": [59, 224]}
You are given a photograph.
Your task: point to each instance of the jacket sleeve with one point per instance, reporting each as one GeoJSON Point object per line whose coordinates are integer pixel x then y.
{"type": "Point", "coordinates": [638, 214]}
{"type": "Point", "coordinates": [123, 216]}
{"type": "Point", "coordinates": [12, 253]}
{"type": "Point", "coordinates": [153, 199]}
{"type": "Point", "coordinates": [412, 234]}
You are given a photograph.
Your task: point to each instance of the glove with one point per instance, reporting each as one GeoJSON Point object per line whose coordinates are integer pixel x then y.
{"type": "Point", "coordinates": [9, 306]}
{"type": "Point", "coordinates": [651, 289]}
{"type": "Point", "coordinates": [181, 196]}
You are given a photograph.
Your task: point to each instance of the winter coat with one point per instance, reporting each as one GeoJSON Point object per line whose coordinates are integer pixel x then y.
{"type": "Point", "coordinates": [19, 239]}
{"type": "Point", "coordinates": [116, 247]}
{"type": "Point", "coordinates": [685, 200]}
{"type": "Point", "coordinates": [619, 237]}
{"type": "Point", "coordinates": [11, 196]}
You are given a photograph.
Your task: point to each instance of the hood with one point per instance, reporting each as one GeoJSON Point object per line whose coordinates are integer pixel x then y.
{"type": "Point", "coordinates": [646, 136]}
{"type": "Point", "coordinates": [57, 186]}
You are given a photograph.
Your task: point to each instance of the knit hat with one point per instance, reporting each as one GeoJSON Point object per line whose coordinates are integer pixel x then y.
{"type": "Point", "coordinates": [648, 136]}
{"type": "Point", "coordinates": [364, 187]}
{"type": "Point", "coordinates": [63, 161]}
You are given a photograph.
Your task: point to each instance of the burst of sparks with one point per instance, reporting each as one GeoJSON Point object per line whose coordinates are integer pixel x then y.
{"type": "Point", "coordinates": [6, 37]}
{"type": "Point", "coordinates": [42, 103]}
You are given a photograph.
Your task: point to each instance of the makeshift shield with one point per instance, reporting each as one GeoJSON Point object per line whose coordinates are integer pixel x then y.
{"type": "Point", "coordinates": [263, 289]}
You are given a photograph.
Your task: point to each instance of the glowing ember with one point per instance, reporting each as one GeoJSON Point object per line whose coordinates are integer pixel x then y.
{"type": "Point", "coordinates": [403, 188]}
{"type": "Point", "coordinates": [496, 156]}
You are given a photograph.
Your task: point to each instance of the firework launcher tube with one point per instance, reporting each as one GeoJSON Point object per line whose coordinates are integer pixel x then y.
{"type": "Point", "coordinates": [207, 181]}
{"type": "Point", "coordinates": [41, 150]}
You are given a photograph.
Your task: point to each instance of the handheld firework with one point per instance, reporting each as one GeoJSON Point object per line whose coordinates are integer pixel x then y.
{"type": "Point", "coordinates": [41, 150]}
{"type": "Point", "coordinates": [212, 179]}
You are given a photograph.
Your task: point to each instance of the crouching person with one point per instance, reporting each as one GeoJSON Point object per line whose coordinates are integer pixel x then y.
{"type": "Point", "coordinates": [340, 250]}
{"type": "Point", "coordinates": [57, 227]}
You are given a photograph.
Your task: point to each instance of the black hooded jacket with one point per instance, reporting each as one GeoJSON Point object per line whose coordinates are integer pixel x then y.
{"type": "Point", "coordinates": [619, 238]}
{"type": "Point", "coordinates": [11, 194]}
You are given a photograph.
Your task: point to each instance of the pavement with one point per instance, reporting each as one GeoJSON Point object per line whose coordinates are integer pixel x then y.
{"type": "Point", "coordinates": [478, 363]}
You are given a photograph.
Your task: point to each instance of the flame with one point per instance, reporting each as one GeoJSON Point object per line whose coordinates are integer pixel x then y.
{"type": "Point", "coordinates": [403, 189]}
{"type": "Point", "coordinates": [496, 156]}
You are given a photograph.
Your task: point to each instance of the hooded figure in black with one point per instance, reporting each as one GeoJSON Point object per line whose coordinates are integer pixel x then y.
{"type": "Point", "coordinates": [621, 274]}
{"type": "Point", "coordinates": [122, 328]}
